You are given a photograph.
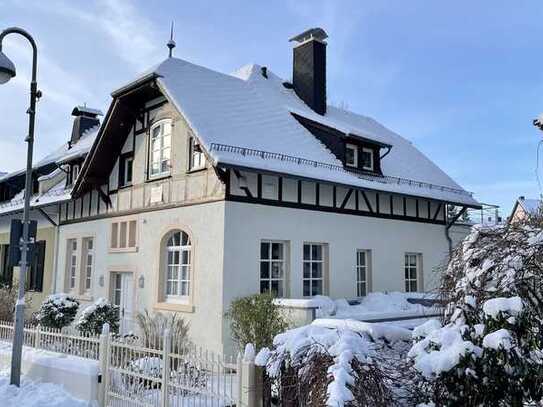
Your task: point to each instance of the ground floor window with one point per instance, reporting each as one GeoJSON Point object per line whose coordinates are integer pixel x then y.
{"type": "Point", "coordinates": [72, 263]}
{"type": "Point", "coordinates": [88, 245]}
{"type": "Point", "coordinates": [412, 271]}
{"type": "Point", "coordinates": [362, 272]}
{"type": "Point", "coordinates": [273, 268]}
{"type": "Point", "coordinates": [178, 266]}
{"type": "Point", "coordinates": [314, 269]}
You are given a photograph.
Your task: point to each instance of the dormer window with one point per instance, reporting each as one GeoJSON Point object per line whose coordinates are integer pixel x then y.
{"type": "Point", "coordinates": [351, 155]}
{"type": "Point", "coordinates": [367, 159]}
{"type": "Point", "coordinates": [197, 159]}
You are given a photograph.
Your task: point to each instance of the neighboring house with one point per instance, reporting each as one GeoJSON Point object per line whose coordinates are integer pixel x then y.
{"type": "Point", "coordinates": [202, 187]}
{"type": "Point", "coordinates": [52, 183]}
{"type": "Point", "coordinates": [524, 208]}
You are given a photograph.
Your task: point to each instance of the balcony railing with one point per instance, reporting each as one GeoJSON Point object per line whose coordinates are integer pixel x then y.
{"type": "Point", "coordinates": [385, 179]}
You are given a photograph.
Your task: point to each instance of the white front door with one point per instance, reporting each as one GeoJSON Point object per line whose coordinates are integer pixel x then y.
{"type": "Point", "coordinates": [122, 296]}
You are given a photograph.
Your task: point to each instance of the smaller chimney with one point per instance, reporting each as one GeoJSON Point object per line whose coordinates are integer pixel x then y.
{"type": "Point", "coordinates": [309, 68]}
{"type": "Point", "coordinates": [85, 119]}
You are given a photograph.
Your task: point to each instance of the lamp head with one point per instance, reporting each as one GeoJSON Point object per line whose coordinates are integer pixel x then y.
{"type": "Point", "coordinates": [7, 68]}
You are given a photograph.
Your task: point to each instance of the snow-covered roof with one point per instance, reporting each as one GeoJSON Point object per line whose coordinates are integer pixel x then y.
{"type": "Point", "coordinates": [62, 154]}
{"type": "Point", "coordinates": [232, 113]}
{"type": "Point", "coordinates": [531, 206]}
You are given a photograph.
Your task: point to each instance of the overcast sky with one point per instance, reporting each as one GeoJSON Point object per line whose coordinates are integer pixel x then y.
{"type": "Point", "coordinates": [461, 80]}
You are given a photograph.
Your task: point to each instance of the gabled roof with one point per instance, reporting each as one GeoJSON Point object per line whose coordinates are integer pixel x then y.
{"type": "Point", "coordinates": [530, 206]}
{"type": "Point", "coordinates": [245, 111]}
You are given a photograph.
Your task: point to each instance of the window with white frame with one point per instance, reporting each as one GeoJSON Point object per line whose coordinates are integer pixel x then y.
{"type": "Point", "coordinates": [351, 155]}
{"type": "Point", "coordinates": [123, 235]}
{"type": "Point", "coordinates": [178, 266]}
{"type": "Point", "coordinates": [197, 159]}
{"type": "Point", "coordinates": [367, 159]}
{"type": "Point", "coordinates": [72, 263]}
{"type": "Point", "coordinates": [273, 255]}
{"type": "Point", "coordinates": [363, 269]}
{"type": "Point", "coordinates": [160, 148]}
{"type": "Point", "coordinates": [314, 269]}
{"type": "Point", "coordinates": [412, 269]}
{"type": "Point", "coordinates": [88, 246]}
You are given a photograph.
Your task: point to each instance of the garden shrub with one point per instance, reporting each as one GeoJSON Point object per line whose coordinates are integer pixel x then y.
{"type": "Point", "coordinates": [255, 319]}
{"type": "Point", "coordinates": [93, 318]}
{"type": "Point", "coordinates": [57, 311]}
{"type": "Point", "coordinates": [153, 326]}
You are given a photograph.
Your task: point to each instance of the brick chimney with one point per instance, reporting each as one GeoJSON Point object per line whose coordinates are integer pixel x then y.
{"type": "Point", "coordinates": [309, 68]}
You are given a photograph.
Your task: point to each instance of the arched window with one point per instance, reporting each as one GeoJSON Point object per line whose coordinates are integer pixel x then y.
{"type": "Point", "coordinates": [178, 266]}
{"type": "Point", "coordinates": [160, 148]}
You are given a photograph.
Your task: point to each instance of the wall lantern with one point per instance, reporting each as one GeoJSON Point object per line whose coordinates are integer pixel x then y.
{"type": "Point", "coordinates": [141, 281]}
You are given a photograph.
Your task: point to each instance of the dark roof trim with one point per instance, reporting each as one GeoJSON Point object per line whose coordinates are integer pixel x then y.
{"type": "Point", "coordinates": [284, 174]}
{"type": "Point", "coordinates": [134, 85]}
{"type": "Point", "coordinates": [340, 133]}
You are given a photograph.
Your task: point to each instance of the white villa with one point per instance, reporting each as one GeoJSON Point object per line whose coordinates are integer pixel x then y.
{"type": "Point", "coordinates": [199, 187]}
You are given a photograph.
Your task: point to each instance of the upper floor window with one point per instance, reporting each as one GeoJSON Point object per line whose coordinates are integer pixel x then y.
{"type": "Point", "coordinates": [178, 266]}
{"type": "Point", "coordinates": [123, 235]}
{"type": "Point", "coordinates": [160, 148]}
{"type": "Point", "coordinates": [351, 155]}
{"type": "Point", "coordinates": [367, 159]}
{"type": "Point", "coordinates": [197, 159]}
{"type": "Point", "coordinates": [126, 163]}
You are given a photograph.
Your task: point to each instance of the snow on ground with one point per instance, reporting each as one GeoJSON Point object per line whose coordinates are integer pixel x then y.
{"type": "Point", "coordinates": [34, 394]}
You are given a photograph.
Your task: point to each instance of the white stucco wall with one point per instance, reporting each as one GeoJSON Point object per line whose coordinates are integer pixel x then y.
{"type": "Point", "coordinates": [203, 223]}
{"type": "Point", "coordinates": [247, 224]}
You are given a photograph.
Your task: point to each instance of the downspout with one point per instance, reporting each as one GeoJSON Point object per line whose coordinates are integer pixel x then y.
{"type": "Point", "coordinates": [55, 260]}
{"type": "Point", "coordinates": [448, 228]}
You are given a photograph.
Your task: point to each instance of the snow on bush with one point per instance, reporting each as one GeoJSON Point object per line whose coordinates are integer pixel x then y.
{"type": "Point", "coordinates": [93, 318]}
{"type": "Point", "coordinates": [57, 311]}
{"type": "Point", "coordinates": [489, 349]}
{"type": "Point", "coordinates": [319, 366]}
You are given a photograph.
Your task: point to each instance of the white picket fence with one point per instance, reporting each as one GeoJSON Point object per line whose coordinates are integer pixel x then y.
{"type": "Point", "coordinates": [157, 373]}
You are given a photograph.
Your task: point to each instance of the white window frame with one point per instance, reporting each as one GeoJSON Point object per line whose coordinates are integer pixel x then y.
{"type": "Point", "coordinates": [409, 268]}
{"type": "Point", "coordinates": [165, 133]}
{"type": "Point", "coordinates": [370, 151]}
{"type": "Point", "coordinates": [125, 171]}
{"type": "Point", "coordinates": [197, 159]}
{"type": "Point", "coordinates": [364, 268]}
{"type": "Point", "coordinates": [72, 264]}
{"type": "Point", "coordinates": [178, 296]}
{"type": "Point", "coordinates": [271, 262]}
{"type": "Point", "coordinates": [311, 279]}
{"type": "Point", "coordinates": [353, 147]}
{"type": "Point", "coordinates": [124, 235]}
{"type": "Point", "coordinates": [88, 269]}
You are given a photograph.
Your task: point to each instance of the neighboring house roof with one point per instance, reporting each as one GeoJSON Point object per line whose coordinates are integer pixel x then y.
{"type": "Point", "coordinates": [529, 206]}
{"type": "Point", "coordinates": [233, 115]}
{"type": "Point", "coordinates": [58, 192]}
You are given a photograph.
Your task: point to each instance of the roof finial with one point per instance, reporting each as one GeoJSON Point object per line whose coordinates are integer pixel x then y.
{"type": "Point", "coordinates": [171, 42]}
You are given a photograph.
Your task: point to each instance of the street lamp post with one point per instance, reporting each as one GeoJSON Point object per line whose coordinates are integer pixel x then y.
{"type": "Point", "coordinates": [7, 71]}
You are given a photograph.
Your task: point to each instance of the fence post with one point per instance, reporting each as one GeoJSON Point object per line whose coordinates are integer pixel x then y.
{"type": "Point", "coordinates": [239, 373]}
{"type": "Point", "coordinates": [248, 378]}
{"type": "Point", "coordinates": [103, 355]}
{"type": "Point", "coordinates": [37, 336]}
{"type": "Point", "coordinates": [165, 367]}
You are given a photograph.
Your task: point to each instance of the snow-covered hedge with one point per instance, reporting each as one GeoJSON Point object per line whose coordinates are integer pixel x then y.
{"type": "Point", "coordinates": [93, 318]}
{"type": "Point", "coordinates": [57, 311]}
{"type": "Point", "coordinates": [319, 366]}
{"type": "Point", "coordinates": [490, 347]}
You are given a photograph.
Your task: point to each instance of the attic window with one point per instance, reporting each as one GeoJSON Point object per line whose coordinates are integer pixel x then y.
{"type": "Point", "coordinates": [197, 159]}
{"type": "Point", "coordinates": [160, 151]}
{"type": "Point", "coordinates": [351, 155]}
{"type": "Point", "coordinates": [367, 159]}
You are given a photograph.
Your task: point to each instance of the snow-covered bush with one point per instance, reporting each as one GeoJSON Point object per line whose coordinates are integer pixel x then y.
{"type": "Point", "coordinates": [93, 318]}
{"type": "Point", "coordinates": [489, 349]}
{"type": "Point", "coordinates": [318, 366]}
{"type": "Point", "coordinates": [57, 311]}
{"type": "Point", "coordinates": [255, 319]}
{"type": "Point", "coordinates": [152, 328]}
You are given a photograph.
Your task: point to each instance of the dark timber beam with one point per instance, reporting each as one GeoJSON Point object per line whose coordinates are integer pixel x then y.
{"type": "Point", "coordinates": [366, 200]}
{"type": "Point", "coordinates": [437, 211]}
{"type": "Point", "coordinates": [346, 199]}
{"type": "Point", "coordinates": [46, 216]}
